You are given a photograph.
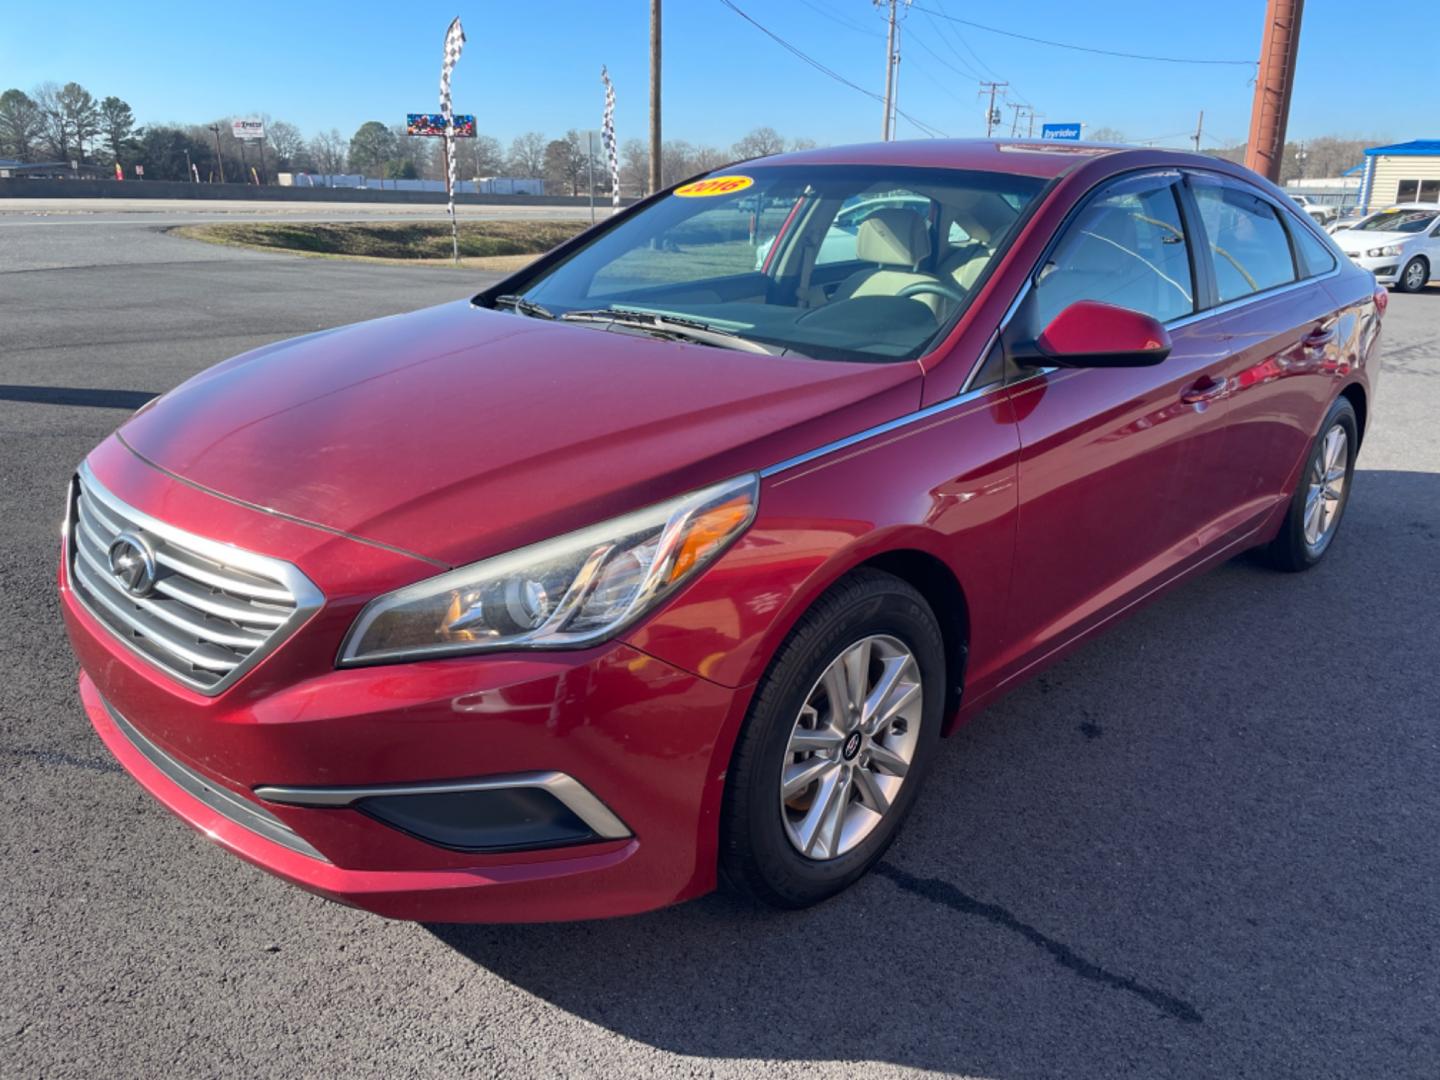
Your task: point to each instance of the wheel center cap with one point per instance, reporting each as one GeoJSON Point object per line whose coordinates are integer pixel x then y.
{"type": "Point", "coordinates": [852, 746]}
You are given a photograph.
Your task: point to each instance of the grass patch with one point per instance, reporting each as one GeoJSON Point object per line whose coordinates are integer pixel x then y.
{"type": "Point", "coordinates": [513, 242]}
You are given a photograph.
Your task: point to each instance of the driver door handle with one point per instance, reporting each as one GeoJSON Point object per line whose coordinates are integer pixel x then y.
{"type": "Point", "coordinates": [1208, 388]}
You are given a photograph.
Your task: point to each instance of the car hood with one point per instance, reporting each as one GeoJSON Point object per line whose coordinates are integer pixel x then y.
{"type": "Point", "coordinates": [1353, 241]}
{"type": "Point", "coordinates": [457, 432]}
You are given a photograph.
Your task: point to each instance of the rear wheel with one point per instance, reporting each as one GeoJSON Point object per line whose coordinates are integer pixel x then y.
{"type": "Point", "coordinates": [1414, 275]}
{"type": "Point", "coordinates": [1323, 492]}
{"type": "Point", "coordinates": [839, 736]}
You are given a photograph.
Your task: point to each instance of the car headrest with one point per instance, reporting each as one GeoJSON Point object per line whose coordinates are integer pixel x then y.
{"type": "Point", "coordinates": [893, 237]}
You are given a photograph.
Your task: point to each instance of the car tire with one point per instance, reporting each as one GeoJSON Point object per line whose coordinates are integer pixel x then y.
{"type": "Point", "coordinates": [762, 831]}
{"type": "Point", "coordinates": [1413, 275]}
{"type": "Point", "coordinates": [1318, 504]}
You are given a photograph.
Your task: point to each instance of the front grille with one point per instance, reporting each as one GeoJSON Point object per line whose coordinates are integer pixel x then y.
{"type": "Point", "coordinates": [213, 610]}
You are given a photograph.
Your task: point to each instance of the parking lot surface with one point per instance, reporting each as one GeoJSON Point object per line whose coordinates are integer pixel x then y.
{"type": "Point", "coordinates": [1205, 845]}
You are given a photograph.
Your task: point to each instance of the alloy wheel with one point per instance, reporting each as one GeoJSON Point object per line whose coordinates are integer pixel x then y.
{"type": "Point", "coordinates": [1414, 275]}
{"type": "Point", "coordinates": [851, 747]}
{"type": "Point", "coordinates": [1327, 489]}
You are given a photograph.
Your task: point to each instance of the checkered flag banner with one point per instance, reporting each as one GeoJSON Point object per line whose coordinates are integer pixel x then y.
{"type": "Point", "coordinates": [454, 42]}
{"type": "Point", "coordinates": [607, 136]}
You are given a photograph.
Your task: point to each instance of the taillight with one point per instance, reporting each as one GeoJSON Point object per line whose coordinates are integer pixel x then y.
{"type": "Point", "coordinates": [1382, 299]}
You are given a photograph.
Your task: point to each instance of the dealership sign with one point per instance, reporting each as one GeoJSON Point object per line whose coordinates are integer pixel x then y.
{"type": "Point", "coordinates": [434, 124]}
{"type": "Point", "coordinates": [1060, 131]}
{"type": "Point", "coordinates": [248, 129]}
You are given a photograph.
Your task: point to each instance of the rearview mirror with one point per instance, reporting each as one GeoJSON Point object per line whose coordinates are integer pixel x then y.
{"type": "Point", "coordinates": [1091, 334]}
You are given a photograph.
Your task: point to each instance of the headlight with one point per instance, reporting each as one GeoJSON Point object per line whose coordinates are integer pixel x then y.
{"type": "Point", "coordinates": [1388, 249]}
{"type": "Point", "coordinates": [574, 590]}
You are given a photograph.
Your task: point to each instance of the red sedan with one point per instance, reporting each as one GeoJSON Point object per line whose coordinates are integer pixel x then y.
{"type": "Point", "coordinates": [670, 559]}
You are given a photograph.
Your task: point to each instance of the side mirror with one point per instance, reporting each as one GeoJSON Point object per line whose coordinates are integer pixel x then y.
{"type": "Point", "coordinates": [1091, 334]}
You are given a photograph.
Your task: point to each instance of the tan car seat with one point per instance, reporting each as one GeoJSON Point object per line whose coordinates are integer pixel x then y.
{"type": "Point", "coordinates": [899, 240]}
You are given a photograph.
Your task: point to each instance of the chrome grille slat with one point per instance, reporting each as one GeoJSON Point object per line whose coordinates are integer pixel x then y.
{"type": "Point", "coordinates": [214, 610]}
{"type": "Point", "coordinates": [150, 628]}
{"type": "Point", "coordinates": [193, 569]}
{"type": "Point", "coordinates": [217, 603]}
{"type": "Point", "coordinates": [172, 612]}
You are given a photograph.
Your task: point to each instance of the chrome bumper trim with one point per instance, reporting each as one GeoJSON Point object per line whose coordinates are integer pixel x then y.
{"type": "Point", "coordinates": [576, 797]}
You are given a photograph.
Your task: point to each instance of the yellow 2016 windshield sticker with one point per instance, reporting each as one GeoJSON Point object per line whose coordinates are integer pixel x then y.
{"type": "Point", "coordinates": [714, 185]}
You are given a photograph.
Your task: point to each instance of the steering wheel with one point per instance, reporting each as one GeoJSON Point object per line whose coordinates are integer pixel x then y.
{"type": "Point", "coordinates": [950, 292]}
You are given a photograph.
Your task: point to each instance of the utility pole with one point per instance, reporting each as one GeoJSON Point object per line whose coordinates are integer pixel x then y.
{"type": "Point", "coordinates": [1270, 112]}
{"type": "Point", "coordinates": [655, 179]}
{"type": "Point", "coordinates": [1033, 117]}
{"type": "Point", "coordinates": [1015, 119]}
{"type": "Point", "coordinates": [590, 168]}
{"type": "Point", "coordinates": [220, 161]}
{"type": "Point", "coordinates": [991, 116]}
{"type": "Point", "coordinates": [1199, 128]}
{"type": "Point", "coordinates": [890, 60]}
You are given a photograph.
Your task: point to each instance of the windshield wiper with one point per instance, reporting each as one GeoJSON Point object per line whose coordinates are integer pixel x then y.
{"type": "Point", "coordinates": [671, 326]}
{"type": "Point", "coordinates": [523, 306]}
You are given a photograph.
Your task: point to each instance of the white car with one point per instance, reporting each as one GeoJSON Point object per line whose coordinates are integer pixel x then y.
{"type": "Point", "coordinates": [1399, 245]}
{"type": "Point", "coordinates": [1322, 214]}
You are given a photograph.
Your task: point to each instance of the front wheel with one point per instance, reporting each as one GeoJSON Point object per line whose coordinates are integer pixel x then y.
{"type": "Point", "coordinates": [839, 736]}
{"type": "Point", "coordinates": [1320, 499]}
{"type": "Point", "coordinates": [1413, 276]}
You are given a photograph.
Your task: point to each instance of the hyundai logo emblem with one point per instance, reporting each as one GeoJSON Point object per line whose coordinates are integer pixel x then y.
{"type": "Point", "coordinates": [132, 563]}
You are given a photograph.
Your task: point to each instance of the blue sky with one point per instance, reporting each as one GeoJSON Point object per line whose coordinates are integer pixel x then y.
{"type": "Point", "coordinates": [534, 65]}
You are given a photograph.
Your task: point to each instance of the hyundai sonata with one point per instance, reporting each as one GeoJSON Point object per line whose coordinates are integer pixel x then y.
{"type": "Point", "coordinates": [661, 564]}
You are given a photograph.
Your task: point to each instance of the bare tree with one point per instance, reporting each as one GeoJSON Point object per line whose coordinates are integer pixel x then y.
{"type": "Point", "coordinates": [489, 158]}
{"type": "Point", "coordinates": [527, 155]}
{"type": "Point", "coordinates": [762, 142]}
{"type": "Point", "coordinates": [54, 131]}
{"type": "Point", "coordinates": [1106, 134]}
{"type": "Point", "coordinates": [285, 140]}
{"type": "Point", "coordinates": [803, 143]}
{"type": "Point", "coordinates": [706, 158]}
{"type": "Point", "coordinates": [329, 149]}
{"type": "Point", "coordinates": [634, 166]}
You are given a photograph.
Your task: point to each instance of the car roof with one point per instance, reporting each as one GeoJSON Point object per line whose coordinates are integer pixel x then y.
{"type": "Point", "coordinates": [1434, 208]}
{"type": "Point", "coordinates": [1045, 158]}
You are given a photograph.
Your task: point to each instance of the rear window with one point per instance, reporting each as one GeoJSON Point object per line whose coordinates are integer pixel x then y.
{"type": "Point", "coordinates": [1248, 243]}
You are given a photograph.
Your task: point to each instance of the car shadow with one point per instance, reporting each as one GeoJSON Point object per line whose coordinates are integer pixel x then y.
{"type": "Point", "coordinates": [76, 395]}
{"type": "Point", "coordinates": [1203, 844]}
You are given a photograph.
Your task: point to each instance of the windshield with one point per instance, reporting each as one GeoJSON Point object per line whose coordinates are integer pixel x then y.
{"type": "Point", "coordinates": [1406, 221]}
{"type": "Point", "coordinates": [836, 262]}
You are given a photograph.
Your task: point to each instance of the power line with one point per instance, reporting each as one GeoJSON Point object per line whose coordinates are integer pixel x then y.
{"type": "Point", "coordinates": [818, 66]}
{"type": "Point", "coordinates": [1083, 48]}
{"type": "Point", "coordinates": [837, 19]}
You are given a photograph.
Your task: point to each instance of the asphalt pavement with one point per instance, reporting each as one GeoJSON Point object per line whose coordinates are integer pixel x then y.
{"type": "Point", "coordinates": [1206, 845]}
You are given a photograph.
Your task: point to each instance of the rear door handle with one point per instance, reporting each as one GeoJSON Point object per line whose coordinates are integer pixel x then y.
{"type": "Point", "coordinates": [1207, 389]}
{"type": "Point", "coordinates": [1319, 337]}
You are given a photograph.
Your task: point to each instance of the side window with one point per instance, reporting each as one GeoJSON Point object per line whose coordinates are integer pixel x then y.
{"type": "Point", "coordinates": [1128, 249]}
{"type": "Point", "coordinates": [1314, 253]}
{"type": "Point", "coordinates": [1248, 243]}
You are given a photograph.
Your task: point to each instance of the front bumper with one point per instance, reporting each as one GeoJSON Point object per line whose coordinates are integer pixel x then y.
{"type": "Point", "coordinates": [647, 741]}
{"type": "Point", "coordinates": [666, 792]}
{"type": "Point", "coordinates": [1386, 268]}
